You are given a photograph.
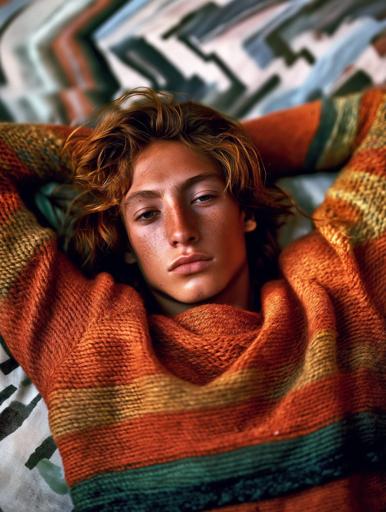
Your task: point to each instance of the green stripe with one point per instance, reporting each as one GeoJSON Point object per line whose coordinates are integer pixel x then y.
{"type": "Point", "coordinates": [340, 145]}
{"type": "Point", "coordinates": [327, 121]}
{"type": "Point", "coordinates": [247, 474]}
{"type": "Point", "coordinates": [334, 141]}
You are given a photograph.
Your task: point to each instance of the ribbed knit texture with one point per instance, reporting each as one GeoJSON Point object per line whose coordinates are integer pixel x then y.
{"type": "Point", "coordinates": [216, 408]}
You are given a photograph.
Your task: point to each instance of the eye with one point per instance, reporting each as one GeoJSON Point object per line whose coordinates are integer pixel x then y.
{"type": "Point", "coordinates": [204, 198]}
{"type": "Point", "coordinates": [147, 215]}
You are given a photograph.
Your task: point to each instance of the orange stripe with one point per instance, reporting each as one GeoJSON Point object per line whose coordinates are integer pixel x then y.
{"type": "Point", "coordinates": [32, 345]}
{"type": "Point", "coordinates": [366, 160]}
{"type": "Point", "coordinates": [76, 104]}
{"type": "Point", "coordinates": [293, 143]}
{"type": "Point", "coordinates": [370, 102]}
{"type": "Point", "coordinates": [195, 433]}
{"type": "Point", "coordinates": [320, 319]}
{"type": "Point", "coordinates": [66, 43]}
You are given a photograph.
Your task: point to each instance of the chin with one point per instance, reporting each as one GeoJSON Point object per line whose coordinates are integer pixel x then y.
{"type": "Point", "coordinates": [196, 301]}
{"type": "Point", "coordinates": [198, 296]}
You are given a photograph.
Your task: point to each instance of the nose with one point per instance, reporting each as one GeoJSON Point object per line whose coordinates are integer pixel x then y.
{"type": "Point", "coordinates": [181, 226]}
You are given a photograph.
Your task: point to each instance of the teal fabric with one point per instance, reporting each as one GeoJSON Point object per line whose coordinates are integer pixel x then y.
{"type": "Point", "coordinates": [53, 200]}
{"type": "Point", "coordinates": [243, 475]}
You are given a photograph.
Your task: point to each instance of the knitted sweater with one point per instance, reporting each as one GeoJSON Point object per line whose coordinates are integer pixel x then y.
{"type": "Point", "coordinates": [217, 408]}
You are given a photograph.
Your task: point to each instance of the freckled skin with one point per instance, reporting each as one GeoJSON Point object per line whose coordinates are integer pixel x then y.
{"type": "Point", "coordinates": [200, 217]}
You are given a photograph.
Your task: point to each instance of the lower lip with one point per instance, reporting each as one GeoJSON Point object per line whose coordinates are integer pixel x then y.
{"type": "Point", "coordinates": [191, 268]}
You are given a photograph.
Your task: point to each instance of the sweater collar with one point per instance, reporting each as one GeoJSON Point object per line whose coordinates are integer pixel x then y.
{"type": "Point", "coordinates": [200, 343]}
{"type": "Point", "coordinates": [218, 320]}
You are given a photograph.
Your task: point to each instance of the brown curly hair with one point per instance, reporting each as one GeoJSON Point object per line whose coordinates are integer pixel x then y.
{"type": "Point", "coordinates": [102, 163]}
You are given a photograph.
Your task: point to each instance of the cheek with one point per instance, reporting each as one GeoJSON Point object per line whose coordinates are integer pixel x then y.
{"type": "Point", "coordinates": [234, 249]}
{"type": "Point", "coordinates": [148, 249]}
{"type": "Point", "coordinates": [229, 233]}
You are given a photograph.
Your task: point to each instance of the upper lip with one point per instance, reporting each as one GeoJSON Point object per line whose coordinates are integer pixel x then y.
{"type": "Point", "coordinates": [181, 260]}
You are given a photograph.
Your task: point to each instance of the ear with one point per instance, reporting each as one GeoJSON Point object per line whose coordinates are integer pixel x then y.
{"type": "Point", "coordinates": [130, 257]}
{"type": "Point", "coordinates": [249, 222]}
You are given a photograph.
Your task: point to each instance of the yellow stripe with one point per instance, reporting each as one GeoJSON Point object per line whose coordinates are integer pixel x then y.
{"type": "Point", "coordinates": [320, 358]}
{"type": "Point", "coordinates": [83, 408]}
{"type": "Point", "coordinates": [368, 197]}
{"type": "Point", "coordinates": [38, 146]}
{"type": "Point", "coordinates": [79, 409]}
{"type": "Point", "coordinates": [20, 237]}
{"type": "Point", "coordinates": [376, 136]}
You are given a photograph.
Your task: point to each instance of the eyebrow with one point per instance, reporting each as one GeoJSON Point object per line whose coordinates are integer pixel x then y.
{"type": "Point", "coordinates": [155, 194]}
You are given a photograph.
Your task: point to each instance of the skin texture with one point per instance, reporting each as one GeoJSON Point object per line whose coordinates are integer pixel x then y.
{"type": "Point", "coordinates": [181, 217]}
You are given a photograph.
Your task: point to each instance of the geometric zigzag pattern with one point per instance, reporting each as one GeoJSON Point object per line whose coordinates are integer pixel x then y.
{"type": "Point", "coordinates": [62, 59]}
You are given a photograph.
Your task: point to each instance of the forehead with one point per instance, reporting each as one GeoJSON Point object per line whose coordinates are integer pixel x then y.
{"type": "Point", "coordinates": [171, 161]}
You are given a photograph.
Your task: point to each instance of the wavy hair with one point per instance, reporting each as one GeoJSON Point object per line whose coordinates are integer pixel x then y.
{"type": "Point", "coordinates": [102, 164]}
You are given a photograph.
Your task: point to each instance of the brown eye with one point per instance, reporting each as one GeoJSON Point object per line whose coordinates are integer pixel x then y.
{"type": "Point", "coordinates": [204, 198]}
{"type": "Point", "coordinates": [148, 215]}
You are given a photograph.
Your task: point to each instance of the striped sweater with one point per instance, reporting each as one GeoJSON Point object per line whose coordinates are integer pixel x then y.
{"type": "Point", "coordinates": [217, 408]}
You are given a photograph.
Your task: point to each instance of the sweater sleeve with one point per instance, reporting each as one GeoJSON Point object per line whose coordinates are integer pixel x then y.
{"type": "Point", "coordinates": [45, 302]}
{"type": "Point", "coordinates": [316, 137]}
{"type": "Point", "coordinates": [345, 134]}
{"type": "Point", "coordinates": [352, 217]}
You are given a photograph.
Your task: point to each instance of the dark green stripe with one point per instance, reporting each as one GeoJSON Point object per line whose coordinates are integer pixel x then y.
{"type": "Point", "coordinates": [244, 475]}
{"type": "Point", "coordinates": [327, 121]}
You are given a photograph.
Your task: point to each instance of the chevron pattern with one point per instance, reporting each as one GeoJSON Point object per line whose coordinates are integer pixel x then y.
{"type": "Point", "coordinates": [61, 59]}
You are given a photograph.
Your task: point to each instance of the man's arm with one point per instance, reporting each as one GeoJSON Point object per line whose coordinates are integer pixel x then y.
{"type": "Point", "coordinates": [351, 135]}
{"type": "Point", "coordinates": [317, 136]}
{"type": "Point", "coordinates": [45, 302]}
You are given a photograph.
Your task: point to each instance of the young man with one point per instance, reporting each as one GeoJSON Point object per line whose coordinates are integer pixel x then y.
{"type": "Point", "coordinates": [220, 376]}
{"type": "Point", "coordinates": [162, 180]}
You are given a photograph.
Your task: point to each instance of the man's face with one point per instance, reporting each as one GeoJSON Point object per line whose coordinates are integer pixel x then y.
{"type": "Point", "coordinates": [177, 207]}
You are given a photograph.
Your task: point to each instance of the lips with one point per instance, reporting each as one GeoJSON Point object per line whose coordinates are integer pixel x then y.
{"type": "Point", "coordinates": [192, 268]}
{"type": "Point", "coordinates": [190, 261]}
